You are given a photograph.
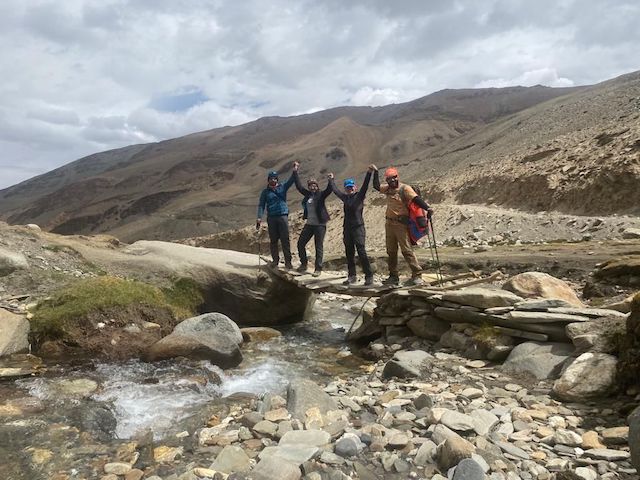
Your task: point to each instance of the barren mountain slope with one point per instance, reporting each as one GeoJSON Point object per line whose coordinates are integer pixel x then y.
{"type": "Point", "coordinates": [577, 154]}
{"type": "Point", "coordinates": [210, 181]}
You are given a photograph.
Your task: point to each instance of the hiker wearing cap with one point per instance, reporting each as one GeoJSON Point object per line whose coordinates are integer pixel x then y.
{"type": "Point", "coordinates": [399, 196]}
{"type": "Point", "coordinates": [317, 216]}
{"type": "Point", "coordinates": [354, 231]}
{"type": "Point", "coordinates": [274, 199]}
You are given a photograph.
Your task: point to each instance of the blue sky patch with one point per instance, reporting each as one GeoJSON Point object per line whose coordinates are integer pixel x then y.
{"type": "Point", "coordinates": [178, 101]}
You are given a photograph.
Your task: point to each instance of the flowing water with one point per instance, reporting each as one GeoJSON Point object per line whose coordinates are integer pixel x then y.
{"type": "Point", "coordinates": [118, 401]}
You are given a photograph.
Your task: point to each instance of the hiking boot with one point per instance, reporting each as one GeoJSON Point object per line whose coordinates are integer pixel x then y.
{"type": "Point", "coordinates": [288, 266]}
{"type": "Point", "coordinates": [317, 273]}
{"type": "Point", "coordinates": [302, 268]}
{"type": "Point", "coordinates": [350, 280]}
{"type": "Point", "coordinates": [274, 264]}
{"type": "Point", "coordinates": [414, 282]}
{"type": "Point", "coordinates": [391, 280]}
{"type": "Point", "coordinates": [368, 280]}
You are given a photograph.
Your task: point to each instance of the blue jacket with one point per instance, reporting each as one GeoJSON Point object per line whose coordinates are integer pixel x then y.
{"type": "Point", "coordinates": [275, 199]}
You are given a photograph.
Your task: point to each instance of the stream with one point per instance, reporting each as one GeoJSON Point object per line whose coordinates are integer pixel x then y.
{"type": "Point", "coordinates": [72, 413]}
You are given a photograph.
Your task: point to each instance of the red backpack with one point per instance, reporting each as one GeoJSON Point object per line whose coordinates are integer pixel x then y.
{"type": "Point", "coordinates": [418, 223]}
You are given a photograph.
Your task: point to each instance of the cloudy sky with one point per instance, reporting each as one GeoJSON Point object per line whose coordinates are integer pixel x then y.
{"type": "Point", "coordinates": [83, 76]}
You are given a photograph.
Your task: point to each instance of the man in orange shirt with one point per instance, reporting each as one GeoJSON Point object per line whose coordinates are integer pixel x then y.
{"type": "Point", "coordinates": [399, 196]}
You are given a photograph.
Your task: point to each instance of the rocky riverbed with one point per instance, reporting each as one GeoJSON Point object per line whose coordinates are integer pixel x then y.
{"type": "Point", "coordinates": [302, 406]}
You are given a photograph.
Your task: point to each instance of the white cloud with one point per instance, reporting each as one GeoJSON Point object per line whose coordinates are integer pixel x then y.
{"type": "Point", "coordinates": [81, 76]}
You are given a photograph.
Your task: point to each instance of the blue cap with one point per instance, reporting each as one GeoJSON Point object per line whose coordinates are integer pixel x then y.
{"type": "Point", "coordinates": [349, 182]}
{"type": "Point", "coordinates": [272, 174]}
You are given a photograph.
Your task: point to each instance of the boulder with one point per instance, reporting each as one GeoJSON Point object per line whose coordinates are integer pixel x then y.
{"type": "Point", "coordinates": [452, 451]}
{"type": "Point", "coordinates": [404, 363]}
{"type": "Point", "coordinates": [481, 297]}
{"type": "Point", "coordinates": [631, 233]}
{"type": "Point", "coordinates": [11, 261]}
{"type": "Point", "coordinates": [629, 352]}
{"type": "Point", "coordinates": [428, 327]}
{"type": "Point", "coordinates": [599, 335]}
{"type": "Point", "coordinates": [211, 336]}
{"type": "Point", "coordinates": [620, 271]}
{"type": "Point", "coordinates": [303, 394]}
{"type": "Point", "coordinates": [538, 284]}
{"type": "Point", "coordinates": [232, 459]}
{"type": "Point", "coordinates": [19, 365]}
{"type": "Point", "coordinates": [14, 333]}
{"type": "Point", "coordinates": [231, 281]}
{"type": "Point", "coordinates": [542, 360]}
{"type": "Point", "coordinates": [276, 468]}
{"type": "Point", "coordinates": [590, 375]}
{"type": "Point", "coordinates": [634, 437]}
{"type": "Point", "coordinates": [259, 334]}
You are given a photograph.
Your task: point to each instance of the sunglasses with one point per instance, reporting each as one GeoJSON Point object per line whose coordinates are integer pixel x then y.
{"type": "Point", "coordinates": [390, 179]}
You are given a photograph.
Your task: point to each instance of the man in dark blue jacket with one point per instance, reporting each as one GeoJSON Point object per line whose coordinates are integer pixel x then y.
{"type": "Point", "coordinates": [274, 199]}
{"type": "Point", "coordinates": [354, 231]}
{"type": "Point", "coordinates": [317, 216]}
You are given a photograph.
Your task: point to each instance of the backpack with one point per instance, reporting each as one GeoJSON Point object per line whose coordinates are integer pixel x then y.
{"type": "Point", "coordinates": [418, 224]}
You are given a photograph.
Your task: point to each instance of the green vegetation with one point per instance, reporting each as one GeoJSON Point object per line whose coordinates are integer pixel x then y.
{"type": "Point", "coordinates": [486, 334]}
{"type": "Point", "coordinates": [56, 316]}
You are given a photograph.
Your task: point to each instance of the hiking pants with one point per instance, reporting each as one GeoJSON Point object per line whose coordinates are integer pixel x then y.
{"type": "Point", "coordinates": [396, 234]}
{"type": "Point", "coordinates": [317, 232]}
{"type": "Point", "coordinates": [279, 230]}
{"type": "Point", "coordinates": [354, 238]}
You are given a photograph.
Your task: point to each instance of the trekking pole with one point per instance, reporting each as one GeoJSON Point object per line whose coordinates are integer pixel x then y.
{"type": "Point", "coordinates": [435, 247]}
{"type": "Point", "coordinates": [356, 319]}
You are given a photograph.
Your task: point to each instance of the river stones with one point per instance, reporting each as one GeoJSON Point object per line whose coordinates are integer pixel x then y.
{"type": "Point", "coordinates": [304, 394]}
{"type": "Point", "coordinates": [232, 459]}
{"type": "Point", "coordinates": [259, 334]}
{"type": "Point", "coordinates": [212, 336]}
{"type": "Point", "coordinates": [407, 364]}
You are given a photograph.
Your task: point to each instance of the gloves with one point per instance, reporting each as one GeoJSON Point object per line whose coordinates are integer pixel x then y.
{"type": "Point", "coordinates": [429, 212]}
{"type": "Point", "coordinates": [258, 222]}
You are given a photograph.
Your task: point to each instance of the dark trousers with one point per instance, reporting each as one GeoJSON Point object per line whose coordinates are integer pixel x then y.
{"type": "Point", "coordinates": [279, 230]}
{"type": "Point", "coordinates": [354, 238]}
{"type": "Point", "coordinates": [317, 232]}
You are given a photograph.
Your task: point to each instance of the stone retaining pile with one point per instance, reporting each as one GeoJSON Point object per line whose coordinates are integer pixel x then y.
{"type": "Point", "coordinates": [487, 323]}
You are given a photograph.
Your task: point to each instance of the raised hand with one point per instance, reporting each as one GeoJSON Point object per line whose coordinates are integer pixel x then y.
{"type": "Point", "coordinates": [330, 175]}
{"type": "Point", "coordinates": [373, 168]}
{"type": "Point", "coordinates": [296, 165]}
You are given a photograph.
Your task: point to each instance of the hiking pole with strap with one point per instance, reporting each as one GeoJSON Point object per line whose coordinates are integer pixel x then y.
{"type": "Point", "coordinates": [435, 247]}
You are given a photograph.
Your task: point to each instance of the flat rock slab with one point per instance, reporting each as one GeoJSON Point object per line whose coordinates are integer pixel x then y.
{"type": "Point", "coordinates": [482, 297]}
{"type": "Point", "coordinates": [607, 454]}
{"type": "Point", "coordinates": [542, 305]}
{"type": "Point", "coordinates": [312, 438]}
{"type": "Point", "coordinates": [588, 312]}
{"type": "Point", "coordinates": [296, 454]}
{"type": "Point", "coordinates": [544, 317]}
{"type": "Point", "coordinates": [20, 365]}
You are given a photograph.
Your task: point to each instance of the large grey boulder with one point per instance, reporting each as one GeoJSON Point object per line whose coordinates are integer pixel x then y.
{"type": "Point", "coordinates": [14, 333]}
{"type": "Point", "coordinates": [231, 281]}
{"type": "Point", "coordinates": [232, 459]}
{"type": "Point", "coordinates": [11, 261]}
{"type": "Point", "coordinates": [543, 285]}
{"type": "Point", "coordinates": [590, 375]}
{"type": "Point", "coordinates": [481, 297]}
{"type": "Point", "coordinates": [414, 363]}
{"type": "Point", "coordinates": [303, 394]}
{"type": "Point", "coordinates": [598, 335]}
{"type": "Point", "coordinates": [542, 360]}
{"type": "Point", "coordinates": [212, 336]}
{"type": "Point", "coordinates": [634, 437]}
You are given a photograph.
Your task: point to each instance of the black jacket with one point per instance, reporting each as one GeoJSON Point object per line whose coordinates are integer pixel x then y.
{"type": "Point", "coordinates": [318, 199]}
{"type": "Point", "coordinates": [352, 203]}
